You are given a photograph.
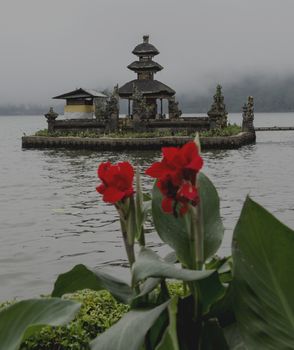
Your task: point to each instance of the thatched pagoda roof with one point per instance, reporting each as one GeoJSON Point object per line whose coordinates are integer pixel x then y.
{"type": "Point", "coordinates": [145, 66]}
{"type": "Point", "coordinates": [147, 87]}
{"type": "Point", "coordinates": [145, 49]}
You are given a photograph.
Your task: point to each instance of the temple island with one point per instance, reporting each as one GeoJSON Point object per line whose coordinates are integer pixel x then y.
{"type": "Point", "coordinates": [153, 120]}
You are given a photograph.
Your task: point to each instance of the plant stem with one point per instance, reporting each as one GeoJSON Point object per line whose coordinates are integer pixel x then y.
{"type": "Point", "coordinates": [197, 233]}
{"type": "Point", "coordinates": [142, 237]}
{"type": "Point", "coordinates": [129, 247]}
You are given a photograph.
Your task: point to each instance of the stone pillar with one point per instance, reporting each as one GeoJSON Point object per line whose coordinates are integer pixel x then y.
{"type": "Point", "coordinates": [248, 116]}
{"type": "Point", "coordinates": [112, 112]}
{"type": "Point", "coordinates": [173, 109]}
{"type": "Point", "coordinates": [217, 114]}
{"type": "Point", "coordinates": [51, 116]}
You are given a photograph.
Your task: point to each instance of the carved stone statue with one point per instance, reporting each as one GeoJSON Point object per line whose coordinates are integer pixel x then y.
{"type": "Point", "coordinates": [112, 111]}
{"type": "Point", "coordinates": [141, 110]}
{"type": "Point", "coordinates": [218, 115]}
{"type": "Point", "coordinates": [248, 115]}
{"type": "Point", "coordinates": [173, 109]}
{"type": "Point", "coordinates": [51, 116]}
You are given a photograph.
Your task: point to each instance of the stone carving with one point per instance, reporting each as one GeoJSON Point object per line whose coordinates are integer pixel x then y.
{"type": "Point", "coordinates": [112, 111]}
{"type": "Point", "coordinates": [248, 115]}
{"type": "Point", "coordinates": [141, 111]}
{"type": "Point", "coordinates": [140, 107]}
{"type": "Point", "coordinates": [218, 115]}
{"type": "Point", "coordinates": [51, 116]}
{"type": "Point", "coordinates": [173, 109]}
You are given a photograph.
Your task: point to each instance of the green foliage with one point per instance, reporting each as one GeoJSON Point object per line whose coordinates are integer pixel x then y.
{"type": "Point", "coordinates": [85, 133]}
{"type": "Point", "coordinates": [21, 319]}
{"type": "Point", "coordinates": [80, 277]}
{"type": "Point", "coordinates": [228, 131]}
{"type": "Point", "coordinates": [129, 333]}
{"type": "Point", "coordinates": [175, 231]}
{"type": "Point", "coordinates": [169, 339]}
{"type": "Point", "coordinates": [98, 312]}
{"type": "Point", "coordinates": [263, 285]}
{"type": "Point", "coordinates": [149, 264]}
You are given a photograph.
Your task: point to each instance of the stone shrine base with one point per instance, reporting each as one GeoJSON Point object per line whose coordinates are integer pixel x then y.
{"type": "Point", "coordinates": [119, 144]}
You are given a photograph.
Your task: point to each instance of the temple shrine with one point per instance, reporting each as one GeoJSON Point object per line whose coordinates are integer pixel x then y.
{"type": "Point", "coordinates": [153, 91]}
{"type": "Point", "coordinates": [81, 103]}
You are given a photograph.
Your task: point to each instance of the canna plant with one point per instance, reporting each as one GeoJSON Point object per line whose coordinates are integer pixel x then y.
{"type": "Point", "coordinates": [240, 302]}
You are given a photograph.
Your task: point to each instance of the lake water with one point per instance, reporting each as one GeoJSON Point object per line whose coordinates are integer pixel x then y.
{"type": "Point", "coordinates": [51, 218]}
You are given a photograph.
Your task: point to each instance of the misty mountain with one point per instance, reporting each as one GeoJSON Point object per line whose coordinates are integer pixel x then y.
{"type": "Point", "coordinates": [271, 94]}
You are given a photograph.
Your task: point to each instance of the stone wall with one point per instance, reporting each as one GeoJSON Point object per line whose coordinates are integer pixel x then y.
{"type": "Point", "coordinates": [109, 144]}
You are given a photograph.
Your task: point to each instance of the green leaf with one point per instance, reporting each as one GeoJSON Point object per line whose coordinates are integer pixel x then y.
{"type": "Point", "coordinates": [223, 309]}
{"type": "Point", "coordinates": [212, 222]}
{"type": "Point", "coordinates": [148, 285]}
{"type": "Point", "coordinates": [175, 231]}
{"type": "Point", "coordinates": [21, 320]}
{"type": "Point", "coordinates": [81, 277]}
{"type": "Point", "coordinates": [213, 337]}
{"type": "Point", "coordinates": [188, 328]}
{"type": "Point", "coordinates": [210, 291]}
{"type": "Point", "coordinates": [149, 264]}
{"type": "Point", "coordinates": [263, 282]}
{"type": "Point", "coordinates": [170, 339]}
{"type": "Point", "coordinates": [233, 337]}
{"type": "Point", "coordinates": [129, 332]}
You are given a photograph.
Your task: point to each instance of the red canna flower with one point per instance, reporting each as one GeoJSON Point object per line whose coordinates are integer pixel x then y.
{"type": "Point", "coordinates": [176, 174]}
{"type": "Point", "coordinates": [117, 181]}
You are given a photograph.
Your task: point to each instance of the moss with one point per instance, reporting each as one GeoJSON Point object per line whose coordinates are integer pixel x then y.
{"type": "Point", "coordinates": [98, 312]}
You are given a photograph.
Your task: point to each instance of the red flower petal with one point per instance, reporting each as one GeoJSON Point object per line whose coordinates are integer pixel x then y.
{"type": "Point", "coordinates": [167, 205]}
{"type": "Point", "coordinates": [127, 170]}
{"type": "Point", "coordinates": [169, 153]}
{"type": "Point", "coordinates": [188, 191]}
{"type": "Point", "coordinates": [102, 170]}
{"type": "Point", "coordinates": [157, 170]}
{"type": "Point", "coordinates": [100, 188]}
{"type": "Point", "coordinates": [112, 195]}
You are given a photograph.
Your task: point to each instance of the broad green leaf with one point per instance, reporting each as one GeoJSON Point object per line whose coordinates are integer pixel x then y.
{"type": "Point", "coordinates": [212, 337]}
{"type": "Point", "coordinates": [129, 332]}
{"type": "Point", "coordinates": [148, 285]}
{"type": "Point", "coordinates": [222, 310]}
{"type": "Point", "coordinates": [175, 231]}
{"type": "Point", "coordinates": [81, 277]}
{"type": "Point", "coordinates": [233, 337]}
{"type": "Point", "coordinates": [213, 226]}
{"type": "Point", "coordinates": [149, 264]}
{"type": "Point", "coordinates": [263, 281]}
{"type": "Point", "coordinates": [170, 339]}
{"type": "Point", "coordinates": [210, 291]}
{"type": "Point", "coordinates": [188, 328]}
{"type": "Point", "coordinates": [21, 320]}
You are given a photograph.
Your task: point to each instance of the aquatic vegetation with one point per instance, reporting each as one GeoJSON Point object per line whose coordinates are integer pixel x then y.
{"type": "Point", "coordinates": [244, 301]}
{"type": "Point", "coordinates": [225, 302]}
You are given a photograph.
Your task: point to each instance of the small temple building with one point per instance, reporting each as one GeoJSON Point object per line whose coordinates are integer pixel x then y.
{"type": "Point", "coordinates": [153, 91]}
{"type": "Point", "coordinates": [81, 103]}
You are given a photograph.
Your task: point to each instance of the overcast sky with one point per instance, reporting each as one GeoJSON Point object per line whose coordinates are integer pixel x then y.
{"type": "Point", "coordinates": [52, 46]}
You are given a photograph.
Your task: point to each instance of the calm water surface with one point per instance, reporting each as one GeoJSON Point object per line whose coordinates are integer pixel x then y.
{"type": "Point", "coordinates": [51, 217]}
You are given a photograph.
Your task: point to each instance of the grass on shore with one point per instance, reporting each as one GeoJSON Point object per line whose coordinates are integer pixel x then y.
{"type": "Point", "coordinates": [228, 131]}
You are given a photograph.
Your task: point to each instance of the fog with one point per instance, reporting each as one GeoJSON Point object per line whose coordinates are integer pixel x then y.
{"type": "Point", "coordinates": [50, 47]}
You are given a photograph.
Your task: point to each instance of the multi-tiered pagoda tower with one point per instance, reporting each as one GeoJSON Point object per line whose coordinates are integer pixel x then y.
{"type": "Point", "coordinates": [151, 90]}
